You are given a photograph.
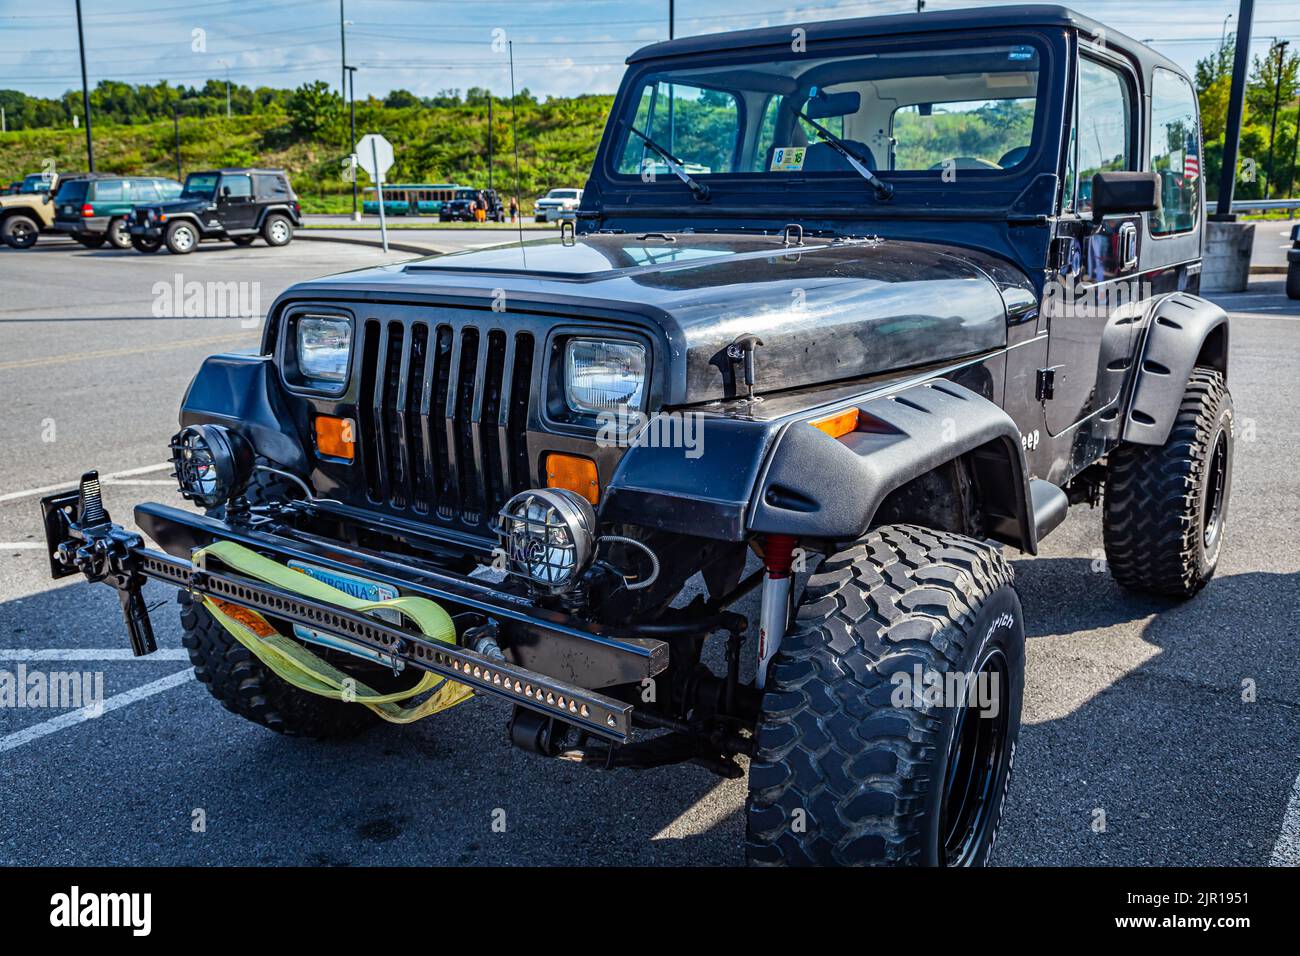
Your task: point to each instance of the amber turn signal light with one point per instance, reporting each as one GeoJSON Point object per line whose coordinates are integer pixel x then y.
{"type": "Point", "coordinates": [573, 474]}
{"type": "Point", "coordinates": [839, 424]}
{"type": "Point", "coordinates": [335, 437]}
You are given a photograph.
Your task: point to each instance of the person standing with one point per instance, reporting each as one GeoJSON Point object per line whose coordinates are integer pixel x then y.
{"type": "Point", "coordinates": [514, 207]}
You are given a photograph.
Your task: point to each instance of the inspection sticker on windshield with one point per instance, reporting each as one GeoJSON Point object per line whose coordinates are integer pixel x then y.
{"type": "Point", "coordinates": [788, 159]}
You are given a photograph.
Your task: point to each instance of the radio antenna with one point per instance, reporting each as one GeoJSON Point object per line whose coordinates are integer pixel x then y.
{"type": "Point", "coordinates": [514, 135]}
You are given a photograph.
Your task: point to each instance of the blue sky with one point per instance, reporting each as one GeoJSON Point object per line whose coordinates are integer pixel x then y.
{"type": "Point", "coordinates": [561, 46]}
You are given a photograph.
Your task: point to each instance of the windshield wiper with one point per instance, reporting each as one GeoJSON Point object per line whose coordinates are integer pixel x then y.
{"type": "Point", "coordinates": [698, 189]}
{"type": "Point", "coordinates": [884, 190]}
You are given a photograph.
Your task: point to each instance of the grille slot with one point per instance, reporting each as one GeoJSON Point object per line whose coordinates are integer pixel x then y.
{"type": "Point", "coordinates": [444, 416]}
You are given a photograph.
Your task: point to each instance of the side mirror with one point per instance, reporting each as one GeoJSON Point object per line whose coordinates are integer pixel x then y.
{"type": "Point", "coordinates": [1123, 192]}
{"type": "Point", "coordinates": [225, 192]}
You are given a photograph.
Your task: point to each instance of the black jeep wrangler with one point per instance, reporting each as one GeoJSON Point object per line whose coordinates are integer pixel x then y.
{"type": "Point", "coordinates": [848, 309]}
{"type": "Point", "coordinates": [235, 204]}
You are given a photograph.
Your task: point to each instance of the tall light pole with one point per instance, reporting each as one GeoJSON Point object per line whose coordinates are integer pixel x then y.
{"type": "Point", "coordinates": [1236, 102]}
{"type": "Point", "coordinates": [226, 63]}
{"type": "Point", "coordinates": [352, 108]}
{"type": "Point", "coordinates": [85, 94]}
{"type": "Point", "coordinates": [1223, 34]}
{"type": "Point", "coordinates": [343, 50]}
{"type": "Point", "coordinates": [176, 130]}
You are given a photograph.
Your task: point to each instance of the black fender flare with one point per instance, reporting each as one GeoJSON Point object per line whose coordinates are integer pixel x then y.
{"type": "Point", "coordinates": [822, 487]}
{"type": "Point", "coordinates": [280, 208]}
{"type": "Point", "coordinates": [191, 217]}
{"type": "Point", "coordinates": [1183, 331]}
{"type": "Point", "coordinates": [243, 393]}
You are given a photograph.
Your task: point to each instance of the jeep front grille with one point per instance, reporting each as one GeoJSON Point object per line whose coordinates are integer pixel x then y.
{"type": "Point", "coordinates": [444, 417]}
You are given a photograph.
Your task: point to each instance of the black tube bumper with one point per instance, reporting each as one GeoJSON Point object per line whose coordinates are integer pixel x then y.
{"type": "Point", "coordinates": [554, 663]}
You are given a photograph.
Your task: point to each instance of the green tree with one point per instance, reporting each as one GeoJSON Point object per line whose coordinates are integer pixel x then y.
{"type": "Point", "coordinates": [313, 108]}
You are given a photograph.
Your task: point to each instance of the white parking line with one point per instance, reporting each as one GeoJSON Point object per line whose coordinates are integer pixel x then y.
{"type": "Point", "coordinates": [89, 654]}
{"type": "Point", "coordinates": [104, 479]}
{"type": "Point", "coordinates": [75, 717]}
{"type": "Point", "coordinates": [1286, 852]}
{"type": "Point", "coordinates": [22, 546]}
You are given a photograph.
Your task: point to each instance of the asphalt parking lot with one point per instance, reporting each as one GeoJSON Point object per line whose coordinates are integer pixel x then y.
{"type": "Point", "coordinates": [1154, 733]}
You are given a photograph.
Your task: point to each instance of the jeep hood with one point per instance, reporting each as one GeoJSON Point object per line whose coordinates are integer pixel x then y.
{"type": "Point", "coordinates": [824, 311]}
{"type": "Point", "coordinates": [178, 205]}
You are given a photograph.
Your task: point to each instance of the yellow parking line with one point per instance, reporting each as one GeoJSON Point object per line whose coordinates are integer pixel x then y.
{"type": "Point", "coordinates": [110, 353]}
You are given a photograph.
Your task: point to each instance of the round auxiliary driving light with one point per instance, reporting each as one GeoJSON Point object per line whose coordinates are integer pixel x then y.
{"type": "Point", "coordinates": [211, 463]}
{"type": "Point", "coordinates": [548, 535]}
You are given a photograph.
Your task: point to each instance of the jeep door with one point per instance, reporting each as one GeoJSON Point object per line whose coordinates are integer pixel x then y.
{"type": "Point", "coordinates": [1091, 299]}
{"type": "Point", "coordinates": [235, 206]}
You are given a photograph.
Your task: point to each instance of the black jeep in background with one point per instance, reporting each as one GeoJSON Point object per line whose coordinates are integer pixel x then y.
{"type": "Point", "coordinates": [460, 208]}
{"type": "Point", "coordinates": [235, 204]}
{"type": "Point", "coordinates": [840, 322]}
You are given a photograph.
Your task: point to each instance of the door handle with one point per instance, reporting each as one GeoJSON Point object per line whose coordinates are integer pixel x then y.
{"type": "Point", "coordinates": [1128, 245]}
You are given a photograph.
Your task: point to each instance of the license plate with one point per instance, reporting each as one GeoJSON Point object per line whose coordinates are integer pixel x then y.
{"type": "Point", "coordinates": [362, 588]}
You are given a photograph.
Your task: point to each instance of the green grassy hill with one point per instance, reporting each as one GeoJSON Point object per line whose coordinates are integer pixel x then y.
{"type": "Point", "coordinates": [557, 141]}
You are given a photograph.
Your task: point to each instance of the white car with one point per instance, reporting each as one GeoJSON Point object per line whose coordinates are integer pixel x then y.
{"type": "Point", "coordinates": [556, 205]}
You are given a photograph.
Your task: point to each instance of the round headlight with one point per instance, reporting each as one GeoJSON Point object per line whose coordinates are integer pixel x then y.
{"type": "Point", "coordinates": [211, 463]}
{"type": "Point", "coordinates": [548, 535]}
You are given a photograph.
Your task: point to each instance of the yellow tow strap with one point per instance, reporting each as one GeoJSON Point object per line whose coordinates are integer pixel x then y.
{"type": "Point", "coordinates": [295, 664]}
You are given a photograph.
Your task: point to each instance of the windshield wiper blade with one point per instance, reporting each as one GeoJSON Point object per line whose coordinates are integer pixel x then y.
{"type": "Point", "coordinates": [698, 189]}
{"type": "Point", "coordinates": [884, 190]}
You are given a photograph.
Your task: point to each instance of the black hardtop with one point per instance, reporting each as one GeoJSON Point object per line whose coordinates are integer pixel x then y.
{"type": "Point", "coordinates": [235, 170]}
{"type": "Point", "coordinates": [962, 20]}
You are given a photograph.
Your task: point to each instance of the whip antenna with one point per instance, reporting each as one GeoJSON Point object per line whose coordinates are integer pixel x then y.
{"type": "Point", "coordinates": [514, 134]}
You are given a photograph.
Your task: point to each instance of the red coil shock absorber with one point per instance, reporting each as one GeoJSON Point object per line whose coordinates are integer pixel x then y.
{"type": "Point", "coordinates": [778, 554]}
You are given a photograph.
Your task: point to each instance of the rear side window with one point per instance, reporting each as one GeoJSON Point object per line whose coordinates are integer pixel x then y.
{"type": "Point", "coordinates": [1175, 153]}
{"type": "Point", "coordinates": [169, 190]}
{"type": "Point", "coordinates": [72, 191]}
{"type": "Point", "coordinates": [108, 191]}
{"type": "Point", "coordinates": [142, 190]}
{"type": "Point", "coordinates": [271, 187]}
{"type": "Point", "coordinates": [236, 186]}
{"type": "Point", "coordinates": [1103, 125]}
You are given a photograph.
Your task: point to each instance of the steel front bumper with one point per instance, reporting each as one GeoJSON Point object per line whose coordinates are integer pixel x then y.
{"type": "Point", "coordinates": [552, 660]}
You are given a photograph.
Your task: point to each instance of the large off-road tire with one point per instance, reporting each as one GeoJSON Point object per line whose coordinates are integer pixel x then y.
{"type": "Point", "coordinates": [277, 230]}
{"type": "Point", "coordinates": [19, 231]}
{"type": "Point", "coordinates": [851, 767]}
{"type": "Point", "coordinates": [118, 237]}
{"type": "Point", "coordinates": [1293, 280]}
{"type": "Point", "coordinates": [145, 244]}
{"type": "Point", "coordinates": [247, 687]}
{"type": "Point", "coordinates": [1166, 507]}
{"type": "Point", "coordinates": [181, 237]}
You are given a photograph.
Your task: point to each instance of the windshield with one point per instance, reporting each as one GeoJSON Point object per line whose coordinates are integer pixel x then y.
{"type": "Point", "coordinates": [201, 186]}
{"type": "Point", "coordinates": [928, 111]}
{"type": "Point", "coordinates": [36, 183]}
{"type": "Point", "coordinates": [562, 194]}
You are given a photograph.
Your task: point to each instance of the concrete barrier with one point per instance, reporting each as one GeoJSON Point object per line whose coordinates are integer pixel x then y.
{"type": "Point", "coordinates": [1226, 266]}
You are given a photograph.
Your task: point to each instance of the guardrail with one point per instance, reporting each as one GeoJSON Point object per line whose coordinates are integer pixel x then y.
{"type": "Point", "coordinates": [1258, 205]}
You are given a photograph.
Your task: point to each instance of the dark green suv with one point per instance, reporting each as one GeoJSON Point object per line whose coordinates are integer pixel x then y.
{"type": "Point", "coordinates": [97, 210]}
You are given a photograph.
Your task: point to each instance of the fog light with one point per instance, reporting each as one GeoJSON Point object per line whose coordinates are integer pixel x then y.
{"type": "Point", "coordinates": [548, 536]}
{"type": "Point", "coordinates": [211, 463]}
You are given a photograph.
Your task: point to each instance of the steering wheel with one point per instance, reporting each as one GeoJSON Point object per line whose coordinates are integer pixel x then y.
{"type": "Point", "coordinates": [965, 162]}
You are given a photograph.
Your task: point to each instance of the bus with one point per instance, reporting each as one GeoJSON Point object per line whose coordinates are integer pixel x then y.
{"type": "Point", "coordinates": [410, 199]}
